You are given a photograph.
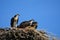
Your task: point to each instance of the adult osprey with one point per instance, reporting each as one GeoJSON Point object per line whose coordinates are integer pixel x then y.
{"type": "Point", "coordinates": [14, 20]}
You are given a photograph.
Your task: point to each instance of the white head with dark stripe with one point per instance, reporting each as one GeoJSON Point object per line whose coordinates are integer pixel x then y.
{"type": "Point", "coordinates": [16, 16]}
{"type": "Point", "coordinates": [31, 21]}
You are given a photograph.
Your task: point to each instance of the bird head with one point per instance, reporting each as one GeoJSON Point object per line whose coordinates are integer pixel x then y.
{"type": "Point", "coordinates": [16, 15]}
{"type": "Point", "coordinates": [34, 24]}
{"type": "Point", "coordinates": [32, 20]}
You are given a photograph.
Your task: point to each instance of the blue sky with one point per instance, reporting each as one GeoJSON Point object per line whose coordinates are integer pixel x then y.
{"type": "Point", "coordinates": [45, 12]}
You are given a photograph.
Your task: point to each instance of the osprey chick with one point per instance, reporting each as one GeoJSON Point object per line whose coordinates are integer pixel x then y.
{"type": "Point", "coordinates": [34, 25]}
{"type": "Point", "coordinates": [30, 23]}
{"type": "Point", "coordinates": [24, 24]}
{"type": "Point", "coordinates": [14, 20]}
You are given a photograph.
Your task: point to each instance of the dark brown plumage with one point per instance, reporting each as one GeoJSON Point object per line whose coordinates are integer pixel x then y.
{"type": "Point", "coordinates": [24, 24]}
{"type": "Point", "coordinates": [30, 23]}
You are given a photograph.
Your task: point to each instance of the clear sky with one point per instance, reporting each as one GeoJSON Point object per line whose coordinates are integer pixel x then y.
{"type": "Point", "coordinates": [45, 12]}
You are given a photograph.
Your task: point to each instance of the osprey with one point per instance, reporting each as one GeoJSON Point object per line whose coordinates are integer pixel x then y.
{"type": "Point", "coordinates": [14, 20]}
{"type": "Point", "coordinates": [34, 25]}
{"type": "Point", "coordinates": [25, 24]}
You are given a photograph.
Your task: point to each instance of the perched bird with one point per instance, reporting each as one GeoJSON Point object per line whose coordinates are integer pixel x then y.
{"type": "Point", "coordinates": [23, 24]}
{"type": "Point", "coordinates": [14, 20]}
{"type": "Point", "coordinates": [30, 24]}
